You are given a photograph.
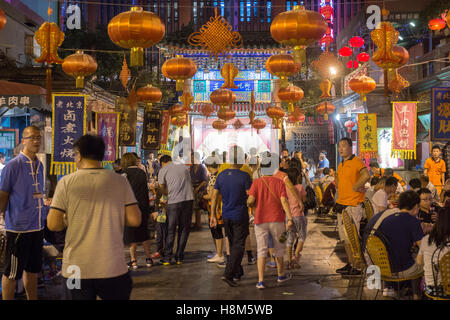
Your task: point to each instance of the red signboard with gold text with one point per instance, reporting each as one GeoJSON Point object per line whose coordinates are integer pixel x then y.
{"type": "Point", "coordinates": [404, 118]}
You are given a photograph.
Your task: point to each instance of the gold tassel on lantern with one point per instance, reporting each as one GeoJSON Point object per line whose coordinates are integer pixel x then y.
{"type": "Point", "coordinates": [137, 56]}
{"type": "Point", "coordinates": [300, 54]}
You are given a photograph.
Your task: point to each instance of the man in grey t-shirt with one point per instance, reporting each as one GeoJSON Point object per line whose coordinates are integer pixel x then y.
{"type": "Point", "coordinates": [175, 182]}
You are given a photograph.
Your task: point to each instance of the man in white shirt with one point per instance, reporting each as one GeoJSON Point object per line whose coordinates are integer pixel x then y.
{"type": "Point", "coordinates": [380, 198]}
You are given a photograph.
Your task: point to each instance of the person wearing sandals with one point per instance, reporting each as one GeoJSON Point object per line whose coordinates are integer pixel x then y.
{"type": "Point", "coordinates": [135, 235]}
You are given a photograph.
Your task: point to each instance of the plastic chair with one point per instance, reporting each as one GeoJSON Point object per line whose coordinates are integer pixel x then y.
{"type": "Point", "coordinates": [444, 271]}
{"type": "Point", "coordinates": [357, 259]}
{"type": "Point", "coordinates": [368, 208]}
{"type": "Point", "coordinates": [379, 256]}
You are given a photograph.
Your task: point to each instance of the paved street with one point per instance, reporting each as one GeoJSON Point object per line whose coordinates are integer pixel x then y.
{"type": "Point", "coordinates": [196, 279]}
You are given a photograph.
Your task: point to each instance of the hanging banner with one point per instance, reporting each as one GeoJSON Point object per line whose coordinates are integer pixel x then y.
{"type": "Point", "coordinates": [165, 124]}
{"type": "Point", "coordinates": [404, 118]}
{"type": "Point", "coordinates": [367, 133]}
{"type": "Point", "coordinates": [107, 124]}
{"type": "Point", "coordinates": [151, 139]}
{"type": "Point", "coordinates": [127, 124]}
{"type": "Point", "coordinates": [68, 124]}
{"type": "Point", "coordinates": [440, 114]}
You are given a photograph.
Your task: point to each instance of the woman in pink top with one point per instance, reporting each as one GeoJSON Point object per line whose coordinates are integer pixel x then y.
{"type": "Point", "coordinates": [298, 229]}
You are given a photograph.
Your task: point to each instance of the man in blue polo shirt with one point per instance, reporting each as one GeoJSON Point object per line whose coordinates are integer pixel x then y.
{"type": "Point", "coordinates": [233, 184]}
{"type": "Point", "coordinates": [323, 163]}
{"type": "Point", "coordinates": [21, 198]}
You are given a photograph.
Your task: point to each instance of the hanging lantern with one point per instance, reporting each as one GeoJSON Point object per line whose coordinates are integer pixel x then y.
{"type": "Point", "coordinates": [298, 29]}
{"type": "Point", "coordinates": [325, 87]}
{"type": "Point", "coordinates": [324, 109]}
{"type": "Point", "coordinates": [219, 125]}
{"type": "Point", "coordinates": [149, 95]}
{"type": "Point", "coordinates": [176, 110]}
{"type": "Point", "coordinates": [363, 57]}
{"type": "Point", "coordinates": [49, 37]}
{"type": "Point", "coordinates": [362, 85]}
{"type": "Point", "coordinates": [356, 42]}
{"type": "Point", "coordinates": [397, 84]}
{"type": "Point", "coordinates": [276, 114]}
{"type": "Point", "coordinates": [345, 52]}
{"type": "Point", "coordinates": [2, 19]}
{"type": "Point", "coordinates": [436, 24]}
{"type": "Point", "coordinates": [226, 114]}
{"type": "Point", "coordinates": [187, 100]}
{"type": "Point", "coordinates": [385, 37]}
{"type": "Point", "coordinates": [229, 72]}
{"type": "Point", "coordinates": [180, 120]}
{"type": "Point", "coordinates": [402, 53]}
{"type": "Point", "coordinates": [282, 66]}
{"type": "Point", "coordinates": [326, 11]}
{"type": "Point", "coordinates": [179, 69]}
{"type": "Point", "coordinates": [136, 29]}
{"type": "Point", "coordinates": [352, 64]}
{"type": "Point", "coordinates": [349, 125]}
{"type": "Point", "coordinates": [79, 65]}
{"type": "Point", "coordinates": [296, 116]}
{"type": "Point", "coordinates": [237, 124]}
{"type": "Point", "coordinates": [207, 110]}
{"type": "Point", "coordinates": [222, 97]}
{"type": "Point", "coordinates": [291, 95]}
{"type": "Point", "coordinates": [258, 124]}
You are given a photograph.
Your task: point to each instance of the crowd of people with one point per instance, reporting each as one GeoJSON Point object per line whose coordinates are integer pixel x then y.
{"type": "Point", "coordinates": [96, 211]}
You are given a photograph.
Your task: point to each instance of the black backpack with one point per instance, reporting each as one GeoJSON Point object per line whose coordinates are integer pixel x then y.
{"type": "Point", "coordinates": [310, 202]}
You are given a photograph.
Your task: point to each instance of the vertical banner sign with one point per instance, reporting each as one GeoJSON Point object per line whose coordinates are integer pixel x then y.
{"type": "Point", "coordinates": [107, 124]}
{"type": "Point", "coordinates": [404, 118]}
{"type": "Point", "coordinates": [151, 139]}
{"type": "Point", "coordinates": [440, 114]}
{"type": "Point", "coordinates": [367, 132]}
{"type": "Point", "coordinates": [165, 123]}
{"type": "Point", "coordinates": [127, 125]}
{"type": "Point", "coordinates": [68, 124]}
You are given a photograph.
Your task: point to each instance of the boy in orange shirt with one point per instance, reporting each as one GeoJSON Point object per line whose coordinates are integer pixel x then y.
{"type": "Point", "coordinates": [435, 168]}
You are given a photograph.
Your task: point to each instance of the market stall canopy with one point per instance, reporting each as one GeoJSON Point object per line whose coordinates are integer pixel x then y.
{"type": "Point", "coordinates": [14, 94]}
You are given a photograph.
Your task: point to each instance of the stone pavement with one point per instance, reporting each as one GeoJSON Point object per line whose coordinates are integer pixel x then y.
{"type": "Point", "coordinates": [196, 279]}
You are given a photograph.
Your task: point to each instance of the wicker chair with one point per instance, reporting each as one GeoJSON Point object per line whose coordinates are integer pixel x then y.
{"type": "Point", "coordinates": [357, 260]}
{"type": "Point", "coordinates": [444, 271]}
{"type": "Point", "coordinates": [368, 207]}
{"type": "Point", "coordinates": [379, 256]}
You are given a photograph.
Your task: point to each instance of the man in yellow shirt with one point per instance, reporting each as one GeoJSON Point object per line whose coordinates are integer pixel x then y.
{"type": "Point", "coordinates": [435, 168]}
{"type": "Point", "coordinates": [352, 175]}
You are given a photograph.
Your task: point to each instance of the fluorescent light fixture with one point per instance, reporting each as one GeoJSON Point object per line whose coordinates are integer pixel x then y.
{"type": "Point", "coordinates": [412, 24]}
{"type": "Point", "coordinates": [400, 37]}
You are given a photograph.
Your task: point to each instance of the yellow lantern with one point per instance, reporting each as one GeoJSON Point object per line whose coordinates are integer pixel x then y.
{"type": "Point", "coordinates": [136, 29]}
{"type": "Point", "coordinates": [79, 65]}
{"type": "Point", "coordinates": [179, 69]}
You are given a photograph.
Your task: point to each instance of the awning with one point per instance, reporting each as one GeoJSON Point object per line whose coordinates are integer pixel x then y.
{"type": "Point", "coordinates": [22, 95]}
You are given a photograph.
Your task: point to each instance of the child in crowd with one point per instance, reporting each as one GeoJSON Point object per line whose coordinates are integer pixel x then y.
{"type": "Point", "coordinates": [298, 230]}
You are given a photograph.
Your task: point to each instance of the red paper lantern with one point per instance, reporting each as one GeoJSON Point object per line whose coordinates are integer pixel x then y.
{"type": "Point", "coordinates": [219, 125]}
{"type": "Point", "coordinates": [258, 124]}
{"type": "Point", "coordinates": [363, 57]}
{"type": "Point", "coordinates": [352, 64]}
{"type": "Point", "coordinates": [349, 125]}
{"type": "Point", "coordinates": [326, 11]}
{"type": "Point", "coordinates": [436, 24]}
{"type": "Point", "coordinates": [345, 52]}
{"type": "Point", "coordinates": [356, 42]}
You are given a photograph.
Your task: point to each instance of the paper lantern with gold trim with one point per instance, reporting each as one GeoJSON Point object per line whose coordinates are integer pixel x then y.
{"type": "Point", "coordinates": [176, 110]}
{"type": "Point", "coordinates": [136, 29]}
{"type": "Point", "coordinates": [222, 97]}
{"type": "Point", "coordinates": [298, 28]}
{"type": "Point", "coordinates": [385, 38]}
{"type": "Point", "coordinates": [402, 53]}
{"type": "Point", "coordinates": [180, 120]}
{"type": "Point", "coordinates": [179, 69]}
{"type": "Point", "coordinates": [282, 66]}
{"type": "Point", "coordinates": [79, 65]}
{"type": "Point", "coordinates": [349, 125]}
{"type": "Point", "coordinates": [226, 114]}
{"type": "Point", "coordinates": [149, 95]}
{"type": "Point", "coordinates": [296, 116]}
{"type": "Point", "coordinates": [219, 125]}
{"type": "Point", "coordinates": [2, 19]}
{"type": "Point", "coordinates": [398, 83]}
{"type": "Point", "coordinates": [436, 24]}
{"type": "Point", "coordinates": [276, 114]}
{"type": "Point", "coordinates": [362, 85]}
{"type": "Point", "coordinates": [291, 95]}
{"type": "Point", "coordinates": [324, 109]}
{"type": "Point", "coordinates": [258, 124]}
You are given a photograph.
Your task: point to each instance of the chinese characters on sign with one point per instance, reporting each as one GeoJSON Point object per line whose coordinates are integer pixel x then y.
{"type": "Point", "coordinates": [440, 114]}
{"type": "Point", "coordinates": [127, 125]}
{"type": "Point", "coordinates": [367, 132]}
{"type": "Point", "coordinates": [151, 132]}
{"type": "Point", "coordinates": [107, 127]}
{"type": "Point", "coordinates": [242, 85]}
{"type": "Point", "coordinates": [21, 101]}
{"type": "Point", "coordinates": [69, 124]}
{"type": "Point", "coordinates": [404, 116]}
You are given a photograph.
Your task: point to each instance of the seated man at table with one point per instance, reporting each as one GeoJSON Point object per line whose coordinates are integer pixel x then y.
{"type": "Point", "coordinates": [401, 231]}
